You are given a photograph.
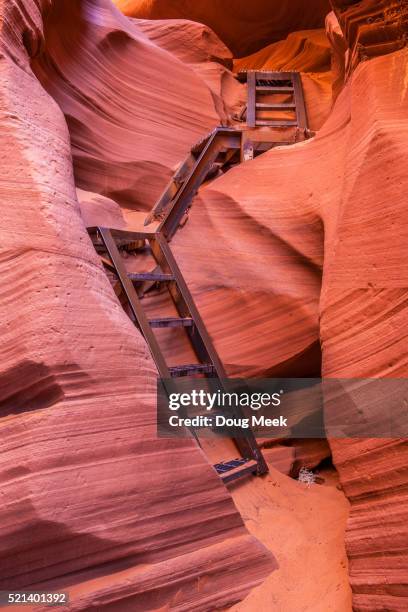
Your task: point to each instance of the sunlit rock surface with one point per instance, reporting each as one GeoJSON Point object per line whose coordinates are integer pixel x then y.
{"type": "Point", "coordinates": [371, 27]}
{"type": "Point", "coordinates": [244, 26]}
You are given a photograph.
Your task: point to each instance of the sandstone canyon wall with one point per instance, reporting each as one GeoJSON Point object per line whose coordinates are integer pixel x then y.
{"type": "Point", "coordinates": [244, 27]}
{"type": "Point", "coordinates": [92, 501]}
{"type": "Point", "coordinates": [302, 249]}
{"type": "Point", "coordinates": [129, 121]}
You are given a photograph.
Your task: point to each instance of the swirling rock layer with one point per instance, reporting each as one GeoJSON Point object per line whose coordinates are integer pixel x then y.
{"type": "Point", "coordinates": [372, 27]}
{"type": "Point", "coordinates": [271, 216]}
{"type": "Point", "coordinates": [244, 27]}
{"type": "Point", "coordinates": [120, 95]}
{"type": "Point", "coordinates": [92, 501]}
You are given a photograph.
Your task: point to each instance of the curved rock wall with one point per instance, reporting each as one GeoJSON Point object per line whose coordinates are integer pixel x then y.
{"type": "Point", "coordinates": [268, 222]}
{"type": "Point", "coordinates": [198, 47]}
{"type": "Point", "coordinates": [364, 315]}
{"type": "Point", "coordinates": [92, 502]}
{"type": "Point", "coordinates": [244, 27]}
{"type": "Point", "coordinates": [371, 27]}
{"type": "Point", "coordinates": [130, 122]}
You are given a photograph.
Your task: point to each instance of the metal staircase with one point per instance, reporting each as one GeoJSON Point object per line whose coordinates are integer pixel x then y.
{"type": "Point", "coordinates": [108, 243]}
{"type": "Point", "coordinates": [270, 93]}
{"type": "Point", "coordinates": [224, 146]}
{"type": "Point", "coordinates": [220, 149]}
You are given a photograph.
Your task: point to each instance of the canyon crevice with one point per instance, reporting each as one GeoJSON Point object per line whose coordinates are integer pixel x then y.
{"type": "Point", "coordinates": [295, 260]}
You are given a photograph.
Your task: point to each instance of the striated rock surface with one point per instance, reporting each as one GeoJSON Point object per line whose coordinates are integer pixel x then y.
{"type": "Point", "coordinates": [92, 502]}
{"type": "Point", "coordinates": [130, 122]}
{"type": "Point", "coordinates": [371, 27]}
{"type": "Point", "coordinates": [244, 27]}
{"type": "Point", "coordinates": [364, 314]}
{"type": "Point", "coordinates": [339, 50]}
{"type": "Point", "coordinates": [304, 51]}
{"type": "Point", "coordinates": [308, 52]}
{"type": "Point", "coordinates": [271, 216]}
{"type": "Point", "coordinates": [261, 257]}
{"type": "Point", "coordinates": [197, 46]}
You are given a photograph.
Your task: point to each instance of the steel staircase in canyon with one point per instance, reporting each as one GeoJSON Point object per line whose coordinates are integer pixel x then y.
{"type": "Point", "coordinates": [221, 149]}
{"type": "Point", "coordinates": [108, 243]}
{"type": "Point", "coordinates": [267, 95]}
{"type": "Point", "coordinates": [225, 146]}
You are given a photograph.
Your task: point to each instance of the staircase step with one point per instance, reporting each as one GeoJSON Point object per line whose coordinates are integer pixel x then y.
{"type": "Point", "coordinates": [151, 276]}
{"type": "Point", "coordinates": [274, 89]}
{"type": "Point", "coordinates": [277, 122]}
{"type": "Point", "coordinates": [237, 468]}
{"type": "Point", "coordinates": [172, 322]}
{"type": "Point", "coordinates": [194, 368]}
{"type": "Point", "coordinates": [281, 106]}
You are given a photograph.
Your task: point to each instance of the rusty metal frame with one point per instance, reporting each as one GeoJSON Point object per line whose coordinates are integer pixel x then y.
{"type": "Point", "coordinates": [251, 99]}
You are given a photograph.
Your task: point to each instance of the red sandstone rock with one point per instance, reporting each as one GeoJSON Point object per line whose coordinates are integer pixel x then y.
{"type": "Point", "coordinates": [92, 501]}
{"type": "Point", "coordinates": [309, 453]}
{"type": "Point", "coordinates": [305, 51]}
{"type": "Point", "coordinates": [244, 27]}
{"type": "Point", "coordinates": [78, 393]}
{"type": "Point", "coordinates": [198, 47]}
{"type": "Point", "coordinates": [280, 457]}
{"type": "Point", "coordinates": [130, 122]}
{"type": "Point", "coordinates": [364, 315]}
{"type": "Point", "coordinates": [255, 260]}
{"type": "Point", "coordinates": [371, 27]}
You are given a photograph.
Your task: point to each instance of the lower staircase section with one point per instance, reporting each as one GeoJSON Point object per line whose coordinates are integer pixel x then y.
{"type": "Point", "coordinates": [109, 243]}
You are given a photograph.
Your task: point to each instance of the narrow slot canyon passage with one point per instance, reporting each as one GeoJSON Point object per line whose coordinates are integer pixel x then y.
{"type": "Point", "coordinates": [203, 193]}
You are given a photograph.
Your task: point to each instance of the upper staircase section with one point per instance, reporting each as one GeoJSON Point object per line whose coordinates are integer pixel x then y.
{"type": "Point", "coordinates": [275, 99]}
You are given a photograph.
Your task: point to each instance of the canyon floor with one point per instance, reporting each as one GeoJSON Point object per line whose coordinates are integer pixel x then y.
{"type": "Point", "coordinates": [305, 527]}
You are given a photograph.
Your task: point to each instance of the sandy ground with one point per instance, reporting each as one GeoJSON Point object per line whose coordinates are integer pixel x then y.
{"type": "Point", "coordinates": [304, 527]}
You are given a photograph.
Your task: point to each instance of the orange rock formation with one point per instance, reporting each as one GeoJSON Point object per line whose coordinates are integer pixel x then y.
{"type": "Point", "coordinates": [244, 27]}
{"type": "Point", "coordinates": [296, 261]}
{"type": "Point", "coordinates": [92, 502]}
